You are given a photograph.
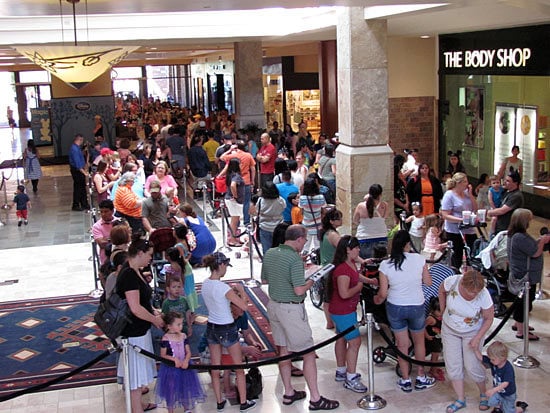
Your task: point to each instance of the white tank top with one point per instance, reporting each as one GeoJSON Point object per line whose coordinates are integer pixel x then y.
{"type": "Point", "coordinates": [374, 227]}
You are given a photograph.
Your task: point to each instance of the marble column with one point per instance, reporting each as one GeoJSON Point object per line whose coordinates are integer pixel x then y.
{"type": "Point", "coordinates": [363, 156]}
{"type": "Point", "coordinates": [249, 93]}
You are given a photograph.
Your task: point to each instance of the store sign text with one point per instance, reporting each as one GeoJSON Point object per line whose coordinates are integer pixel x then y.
{"type": "Point", "coordinates": [487, 58]}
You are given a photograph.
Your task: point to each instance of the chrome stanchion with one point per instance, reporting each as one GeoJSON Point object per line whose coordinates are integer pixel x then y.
{"type": "Point", "coordinates": [126, 361]}
{"type": "Point", "coordinates": [525, 361]}
{"type": "Point", "coordinates": [371, 401]}
{"type": "Point", "coordinates": [252, 282]}
{"type": "Point", "coordinates": [224, 248]}
{"type": "Point", "coordinates": [184, 179]}
{"type": "Point", "coordinates": [540, 295]}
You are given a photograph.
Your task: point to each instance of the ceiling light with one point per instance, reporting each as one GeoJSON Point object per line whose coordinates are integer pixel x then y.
{"type": "Point", "coordinates": [376, 12]}
{"type": "Point", "coordinates": [425, 36]}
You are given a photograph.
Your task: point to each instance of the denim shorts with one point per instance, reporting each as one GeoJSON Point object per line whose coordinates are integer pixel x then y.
{"type": "Point", "coordinates": [343, 321]}
{"type": "Point", "coordinates": [226, 334]}
{"type": "Point", "coordinates": [403, 317]}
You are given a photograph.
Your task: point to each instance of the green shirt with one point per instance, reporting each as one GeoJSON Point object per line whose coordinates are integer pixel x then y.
{"type": "Point", "coordinates": [327, 250]}
{"type": "Point", "coordinates": [283, 269]}
{"type": "Point", "coordinates": [179, 306]}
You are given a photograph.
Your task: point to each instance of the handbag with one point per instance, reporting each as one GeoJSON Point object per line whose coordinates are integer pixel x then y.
{"type": "Point", "coordinates": [112, 315]}
{"type": "Point", "coordinates": [516, 285]}
{"type": "Point", "coordinates": [190, 237]}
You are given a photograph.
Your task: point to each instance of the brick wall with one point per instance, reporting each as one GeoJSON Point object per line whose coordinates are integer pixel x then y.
{"type": "Point", "coordinates": [412, 124]}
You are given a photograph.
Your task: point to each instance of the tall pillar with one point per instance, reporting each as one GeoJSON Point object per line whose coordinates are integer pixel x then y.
{"type": "Point", "coordinates": [363, 156]}
{"type": "Point", "coordinates": [249, 93]}
{"type": "Point", "coordinates": [328, 86]}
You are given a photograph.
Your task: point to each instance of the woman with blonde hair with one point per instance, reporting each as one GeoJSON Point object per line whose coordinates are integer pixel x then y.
{"type": "Point", "coordinates": [468, 313]}
{"type": "Point", "coordinates": [166, 181]}
{"type": "Point", "coordinates": [524, 255]}
{"type": "Point", "coordinates": [459, 197]}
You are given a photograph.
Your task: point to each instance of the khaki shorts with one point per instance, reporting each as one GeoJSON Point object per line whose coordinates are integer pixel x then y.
{"type": "Point", "coordinates": [235, 209]}
{"type": "Point", "coordinates": [290, 326]}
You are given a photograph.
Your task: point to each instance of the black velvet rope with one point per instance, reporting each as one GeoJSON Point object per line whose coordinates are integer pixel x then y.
{"type": "Point", "coordinates": [392, 345]}
{"type": "Point", "coordinates": [58, 379]}
{"type": "Point", "coordinates": [248, 365]}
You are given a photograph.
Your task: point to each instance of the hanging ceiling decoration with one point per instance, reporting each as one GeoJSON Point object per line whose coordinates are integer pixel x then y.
{"type": "Point", "coordinates": [75, 65]}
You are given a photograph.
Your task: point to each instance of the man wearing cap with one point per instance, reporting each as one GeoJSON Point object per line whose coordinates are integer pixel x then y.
{"type": "Point", "coordinates": [283, 270]}
{"type": "Point", "coordinates": [155, 210]}
{"type": "Point", "coordinates": [127, 203]}
{"type": "Point", "coordinates": [513, 199]}
{"type": "Point", "coordinates": [79, 173]}
{"type": "Point", "coordinates": [266, 157]}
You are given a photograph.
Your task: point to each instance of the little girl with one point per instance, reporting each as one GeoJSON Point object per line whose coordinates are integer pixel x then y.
{"type": "Point", "coordinates": [295, 212]}
{"type": "Point", "coordinates": [433, 337]}
{"type": "Point", "coordinates": [433, 242]}
{"type": "Point", "coordinates": [177, 386]}
{"type": "Point", "coordinates": [180, 233]}
{"type": "Point", "coordinates": [482, 191]}
{"type": "Point", "coordinates": [417, 230]}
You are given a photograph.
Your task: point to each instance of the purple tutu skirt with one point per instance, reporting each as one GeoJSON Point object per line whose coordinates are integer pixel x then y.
{"type": "Point", "coordinates": [178, 388]}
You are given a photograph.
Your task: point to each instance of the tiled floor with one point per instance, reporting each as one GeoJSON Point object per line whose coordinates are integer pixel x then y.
{"type": "Point", "coordinates": [50, 257]}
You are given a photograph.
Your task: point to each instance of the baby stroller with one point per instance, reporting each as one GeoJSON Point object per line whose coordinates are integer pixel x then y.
{"type": "Point", "coordinates": [491, 259]}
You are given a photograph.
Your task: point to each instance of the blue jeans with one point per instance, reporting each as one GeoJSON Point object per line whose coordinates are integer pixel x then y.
{"type": "Point", "coordinates": [226, 334]}
{"type": "Point", "coordinates": [403, 317]}
{"type": "Point", "coordinates": [266, 239]}
{"type": "Point", "coordinates": [246, 204]}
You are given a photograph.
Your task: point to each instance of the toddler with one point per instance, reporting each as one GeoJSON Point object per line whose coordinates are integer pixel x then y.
{"type": "Point", "coordinates": [503, 394]}
{"type": "Point", "coordinates": [433, 242]}
{"type": "Point", "coordinates": [177, 386]}
{"type": "Point", "coordinates": [176, 302]}
{"type": "Point", "coordinates": [417, 230]}
{"type": "Point", "coordinates": [173, 201]}
{"type": "Point", "coordinates": [496, 193]}
{"type": "Point", "coordinates": [180, 233]}
{"type": "Point", "coordinates": [432, 333]}
{"type": "Point", "coordinates": [482, 191]}
{"type": "Point", "coordinates": [23, 204]}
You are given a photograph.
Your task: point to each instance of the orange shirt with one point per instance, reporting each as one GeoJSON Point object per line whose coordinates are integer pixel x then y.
{"type": "Point", "coordinates": [127, 202]}
{"type": "Point", "coordinates": [247, 163]}
{"type": "Point", "coordinates": [428, 205]}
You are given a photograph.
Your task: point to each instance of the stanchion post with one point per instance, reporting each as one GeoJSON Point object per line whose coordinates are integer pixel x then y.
{"type": "Point", "coordinates": [126, 361]}
{"type": "Point", "coordinates": [525, 361]}
{"type": "Point", "coordinates": [371, 401]}
{"type": "Point", "coordinates": [184, 178]}
{"type": "Point", "coordinates": [224, 248]}
{"type": "Point", "coordinates": [252, 282]}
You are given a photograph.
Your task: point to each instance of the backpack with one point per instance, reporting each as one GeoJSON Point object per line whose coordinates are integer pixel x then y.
{"type": "Point", "coordinates": [112, 315]}
{"type": "Point", "coordinates": [254, 384]}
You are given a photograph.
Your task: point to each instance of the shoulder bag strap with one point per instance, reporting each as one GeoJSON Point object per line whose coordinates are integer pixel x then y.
{"type": "Point", "coordinates": [312, 213]}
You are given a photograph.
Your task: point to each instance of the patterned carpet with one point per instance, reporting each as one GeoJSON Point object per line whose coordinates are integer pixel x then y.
{"type": "Point", "coordinates": [42, 339]}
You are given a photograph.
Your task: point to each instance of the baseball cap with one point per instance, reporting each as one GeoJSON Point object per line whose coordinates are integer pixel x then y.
{"type": "Point", "coordinates": [221, 258]}
{"type": "Point", "coordinates": [154, 186]}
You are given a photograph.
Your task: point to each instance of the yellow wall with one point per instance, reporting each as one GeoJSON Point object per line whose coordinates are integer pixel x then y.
{"type": "Point", "coordinates": [101, 86]}
{"type": "Point", "coordinates": [412, 67]}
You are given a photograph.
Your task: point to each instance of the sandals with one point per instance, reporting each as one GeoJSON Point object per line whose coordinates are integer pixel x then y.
{"type": "Point", "coordinates": [531, 336]}
{"type": "Point", "coordinates": [298, 395]}
{"type": "Point", "coordinates": [323, 404]}
{"type": "Point", "coordinates": [150, 406]}
{"type": "Point", "coordinates": [456, 406]}
{"type": "Point", "coordinates": [483, 402]}
{"type": "Point", "coordinates": [515, 328]}
{"type": "Point", "coordinates": [296, 372]}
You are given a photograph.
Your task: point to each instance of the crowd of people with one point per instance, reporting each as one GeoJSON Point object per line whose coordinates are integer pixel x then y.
{"type": "Point", "coordinates": [296, 180]}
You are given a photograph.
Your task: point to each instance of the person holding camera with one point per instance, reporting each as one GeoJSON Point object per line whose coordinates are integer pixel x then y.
{"type": "Point", "coordinates": [525, 256]}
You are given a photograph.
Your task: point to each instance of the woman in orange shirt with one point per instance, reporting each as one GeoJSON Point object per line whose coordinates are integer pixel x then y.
{"type": "Point", "coordinates": [426, 189]}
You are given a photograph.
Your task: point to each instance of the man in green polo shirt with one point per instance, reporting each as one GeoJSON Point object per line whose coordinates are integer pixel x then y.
{"type": "Point", "coordinates": [283, 270]}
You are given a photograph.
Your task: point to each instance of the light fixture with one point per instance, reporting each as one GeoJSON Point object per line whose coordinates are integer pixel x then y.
{"type": "Point", "coordinates": [75, 65]}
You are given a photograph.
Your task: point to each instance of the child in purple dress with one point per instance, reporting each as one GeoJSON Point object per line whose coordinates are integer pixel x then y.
{"type": "Point", "coordinates": [177, 386]}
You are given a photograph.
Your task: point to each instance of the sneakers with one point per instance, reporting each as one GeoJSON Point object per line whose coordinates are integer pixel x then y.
{"type": "Point", "coordinates": [248, 405]}
{"type": "Point", "coordinates": [405, 385]}
{"type": "Point", "coordinates": [221, 406]}
{"type": "Point", "coordinates": [355, 384]}
{"type": "Point", "coordinates": [425, 382]}
{"type": "Point", "coordinates": [19, 223]}
{"type": "Point", "coordinates": [340, 376]}
{"type": "Point", "coordinates": [26, 222]}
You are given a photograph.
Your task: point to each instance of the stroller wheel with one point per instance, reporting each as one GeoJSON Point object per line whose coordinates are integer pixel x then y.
{"type": "Point", "coordinates": [379, 355]}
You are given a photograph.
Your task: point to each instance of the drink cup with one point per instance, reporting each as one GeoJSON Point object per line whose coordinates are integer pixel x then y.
{"type": "Point", "coordinates": [473, 218]}
{"type": "Point", "coordinates": [466, 217]}
{"type": "Point", "coordinates": [482, 215]}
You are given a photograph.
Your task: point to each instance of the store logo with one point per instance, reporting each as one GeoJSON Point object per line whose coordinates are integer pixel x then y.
{"type": "Point", "coordinates": [82, 106]}
{"type": "Point", "coordinates": [504, 58]}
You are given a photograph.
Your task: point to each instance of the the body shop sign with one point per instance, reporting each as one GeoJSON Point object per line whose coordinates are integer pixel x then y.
{"type": "Point", "coordinates": [521, 51]}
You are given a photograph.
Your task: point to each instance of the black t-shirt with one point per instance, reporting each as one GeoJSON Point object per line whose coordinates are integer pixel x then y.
{"type": "Point", "coordinates": [129, 280]}
{"type": "Point", "coordinates": [176, 144]}
{"type": "Point", "coordinates": [514, 200]}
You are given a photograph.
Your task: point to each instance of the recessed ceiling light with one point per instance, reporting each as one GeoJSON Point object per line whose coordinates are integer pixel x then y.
{"type": "Point", "coordinates": [153, 48]}
{"type": "Point", "coordinates": [425, 36]}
